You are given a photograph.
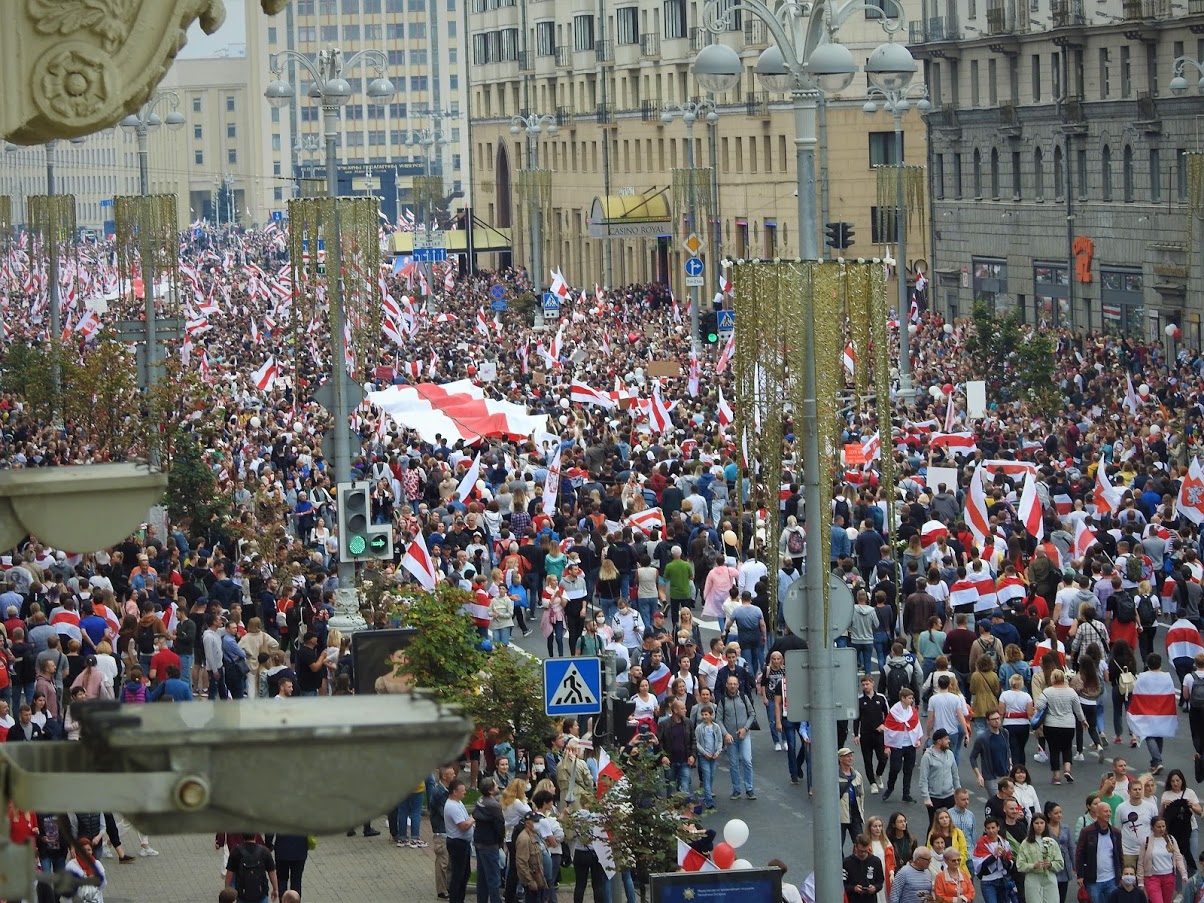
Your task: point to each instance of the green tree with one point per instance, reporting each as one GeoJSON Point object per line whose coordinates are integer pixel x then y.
{"type": "Point", "coordinates": [1015, 364]}
{"type": "Point", "coordinates": [511, 692]}
{"type": "Point", "coordinates": [442, 656]}
{"type": "Point", "coordinates": [192, 495]}
{"type": "Point", "coordinates": [28, 374]}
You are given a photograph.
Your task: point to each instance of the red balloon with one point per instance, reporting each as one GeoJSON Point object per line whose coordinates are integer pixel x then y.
{"type": "Point", "coordinates": [471, 370]}
{"type": "Point", "coordinates": [1178, 333]}
{"type": "Point", "coordinates": [947, 388]}
{"type": "Point", "coordinates": [633, 336]}
{"type": "Point", "coordinates": [724, 855]}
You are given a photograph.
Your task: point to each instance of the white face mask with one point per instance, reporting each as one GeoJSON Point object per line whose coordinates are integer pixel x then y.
{"type": "Point", "coordinates": [1128, 880]}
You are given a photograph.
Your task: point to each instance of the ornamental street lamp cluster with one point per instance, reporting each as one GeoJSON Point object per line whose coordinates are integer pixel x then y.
{"type": "Point", "coordinates": [533, 126]}
{"type": "Point", "coordinates": [804, 60]}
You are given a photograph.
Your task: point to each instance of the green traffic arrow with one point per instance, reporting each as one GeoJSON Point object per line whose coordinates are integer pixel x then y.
{"type": "Point", "coordinates": [378, 543]}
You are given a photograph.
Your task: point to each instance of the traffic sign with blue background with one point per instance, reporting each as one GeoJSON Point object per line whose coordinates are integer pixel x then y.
{"type": "Point", "coordinates": [693, 266]}
{"type": "Point", "coordinates": [726, 319]}
{"type": "Point", "coordinates": [572, 686]}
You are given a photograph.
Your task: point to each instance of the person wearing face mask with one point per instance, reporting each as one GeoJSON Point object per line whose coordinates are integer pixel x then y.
{"type": "Point", "coordinates": [1128, 891]}
{"type": "Point", "coordinates": [591, 642]}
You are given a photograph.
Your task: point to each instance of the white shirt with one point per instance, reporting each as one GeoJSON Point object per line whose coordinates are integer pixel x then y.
{"type": "Point", "coordinates": [1134, 824]}
{"type": "Point", "coordinates": [750, 573]}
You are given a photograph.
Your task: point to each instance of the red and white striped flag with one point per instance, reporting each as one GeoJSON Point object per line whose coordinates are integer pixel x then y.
{"type": "Point", "coordinates": [583, 394]}
{"type": "Point", "coordinates": [693, 380]}
{"type": "Point", "coordinates": [902, 727]}
{"type": "Point", "coordinates": [560, 285]}
{"type": "Point", "coordinates": [1084, 539]}
{"type": "Point", "coordinates": [849, 359]}
{"type": "Point", "coordinates": [265, 377]}
{"type": "Point", "coordinates": [725, 356]}
{"type": "Point", "coordinates": [691, 860]}
{"type": "Point", "coordinates": [977, 518]}
{"type": "Point", "coordinates": [933, 532]}
{"type": "Point", "coordinates": [551, 484]}
{"type": "Point", "coordinates": [676, 307]}
{"type": "Point", "coordinates": [1153, 706]}
{"type": "Point", "coordinates": [1029, 509]}
{"type": "Point", "coordinates": [726, 415]}
{"type": "Point", "coordinates": [417, 561]}
{"type": "Point", "coordinates": [1107, 497]}
{"type": "Point", "coordinates": [1009, 589]}
{"type": "Point", "coordinates": [609, 773]}
{"type": "Point", "coordinates": [957, 443]}
{"type": "Point", "coordinates": [963, 592]}
{"type": "Point", "coordinates": [1183, 640]}
{"type": "Point", "coordinates": [658, 413]}
{"type": "Point", "coordinates": [1132, 400]}
{"type": "Point", "coordinates": [482, 323]}
{"type": "Point", "coordinates": [468, 484]}
{"type": "Point", "coordinates": [871, 448]}
{"type": "Point", "coordinates": [648, 519]}
{"type": "Point", "coordinates": [1190, 501]}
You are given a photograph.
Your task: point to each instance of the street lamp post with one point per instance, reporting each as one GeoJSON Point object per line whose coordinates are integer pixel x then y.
{"type": "Point", "coordinates": [689, 113]}
{"type": "Point", "coordinates": [896, 101]}
{"type": "Point", "coordinates": [332, 91]}
{"type": "Point", "coordinates": [431, 141]}
{"type": "Point", "coordinates": [804, 60]}
{"type": "Point", "coordinates": [533, 125]}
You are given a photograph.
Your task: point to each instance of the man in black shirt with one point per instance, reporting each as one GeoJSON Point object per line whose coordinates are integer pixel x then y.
{"type": "Point", "coordinates": [863, 873]}
{"type": "Point", "coordinates": [311, 666]}
{"type": "Point", "coordinates": [872, 709]}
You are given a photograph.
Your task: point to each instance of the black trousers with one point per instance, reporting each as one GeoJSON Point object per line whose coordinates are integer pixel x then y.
{"type": "Point", "coordinates": [288, 874]}
{"type": "Point", "coordinates": [872, 745]}
{"type": "Point", "coordinates": [904, 760]}
{"type": "Point", "coordinates": [588, 868]}
{"type": "Point", "coordinates": [459, 863]}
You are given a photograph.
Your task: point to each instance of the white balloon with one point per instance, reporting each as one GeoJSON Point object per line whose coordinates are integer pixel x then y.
{"type": "Point", "coordinates": [564, 403]}
{"type": "Point", "coordinates": [564, 420]}
{"type": "Point", "coordinates": [935, 392]}
{"type": "Point", "coordinates": [741, 864]}
{"type": "Point", "coordinates": [948, 329]}
{"type": "Point", "coordinates": [913, 329]}
{"type": "Point", "coordinates": [254, 422]}
{"type": "Point", "coordinates": [1143, 390]}
{"type": "Point", "coordinates": [735, 832]}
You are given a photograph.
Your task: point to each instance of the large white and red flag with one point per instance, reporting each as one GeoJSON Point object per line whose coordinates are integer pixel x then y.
{"type": "Point", "coordinates": [551, 484]}
{"type": "Point", "coordinates": [1190, 502]}
{"type": "Point", "coordinates": [265, 377]}
{"type": "Point", "coordinates": [648, 520]}
{"type": "Point", "coordinates": [849, 359]}
{"type": "Point", "coordinates": [1107, 497]}
{"type": "Point", "coordinates": [1084, 539]}
{"type": "Point", "coordinates": [902, 727]}
{"type": "Point", "coordinates": [560, 285]}
{"type": "Point", "coordinates": [1183, 640]}
{"type": "Point", "coordinates": [691, 860]}
{"type": "Point", "coordinates": [933, 532]}
{"type": "Point", "coordinates": [977, 518]}
{"type": "Point", "coordinates": [1153, 706]}
{"type": "Point", "coordinates": [956, 443]}
{"type": "Point", "coordinates": [1132, 400]}
{"type": "Point", "coordinates": [871, 448]}
{"type": "Point", "coordinates": [469, 484]}
{"type": "Point", "coordinates": [726, 415]}
{"type": "Point", "coordinates": [417, 560]}
{"type": "Point", "coordinates": [725, 356]}
{"type": "Point", "coordinates": [583, 394]}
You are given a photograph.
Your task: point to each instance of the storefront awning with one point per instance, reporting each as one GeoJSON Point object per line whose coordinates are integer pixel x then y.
{"type": "Point", "coordinates": [488, 239]}
{"type": "Point", "coordinates": [631, 216]}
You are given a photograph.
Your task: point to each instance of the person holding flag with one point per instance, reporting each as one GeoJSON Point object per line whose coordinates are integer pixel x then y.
{"type": "Point", "coordinates": [1152, 712]}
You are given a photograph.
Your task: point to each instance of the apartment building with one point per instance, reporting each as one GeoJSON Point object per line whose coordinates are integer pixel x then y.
{"type": "Point", "coordinates": [1059, 160]}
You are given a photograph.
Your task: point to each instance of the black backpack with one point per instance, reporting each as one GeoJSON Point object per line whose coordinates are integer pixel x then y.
{"type": "Point", "coordinates": [898, 677]}
{"type": "Point", "coordinates": [1178, 817]}
{"type": "Point", "coordinates": [1196, 698]}
{"type": "Point", "coordinates": [1146, 610]}
{"type": "Point", "coordinates": [1123, 607]}
{"type": "Point", "coordinates": [251, 879]}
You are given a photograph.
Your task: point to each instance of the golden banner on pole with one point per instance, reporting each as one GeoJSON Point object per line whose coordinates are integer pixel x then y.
{"type": "Point", "coordinates": [148, 245]}
{"type": "Point", "coordinates": [914, 192]}
{"type": "Point", "coordinates": [697, 179]}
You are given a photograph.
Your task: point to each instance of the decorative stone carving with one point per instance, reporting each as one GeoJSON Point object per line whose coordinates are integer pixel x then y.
{"type": "Point", "coordinates": [73, 67]}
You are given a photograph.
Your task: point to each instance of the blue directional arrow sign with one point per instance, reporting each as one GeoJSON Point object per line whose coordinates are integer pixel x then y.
{"type": "Point", "coordinates": [693, 266]}
{"type": "Point", "coordinates": [572, 686]}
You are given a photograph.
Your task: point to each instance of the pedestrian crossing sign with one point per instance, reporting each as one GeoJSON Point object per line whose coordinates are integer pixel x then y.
{"type": "Point", "coordinates": [572, 686]}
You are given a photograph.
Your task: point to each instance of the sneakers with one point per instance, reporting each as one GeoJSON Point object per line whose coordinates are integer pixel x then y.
{"type": "Point", "coordinates": [887, 794]}
{"type": "Point", "coordinates": [1078, 756]}
{"type": "Point", "coordinates": [108, 853]}
{"type": "Point", "coordinates": [419, 844]}
{"type": "Point", "coordinates": [751, 795]}
{"type": "Point", "coordinates": [777, 747]}
{"type": "Point", "coordinates": [1157, 769]}
{"type": "Point", "coordinates": [147, 851]}
{"type": "Point", "coordinates": [527, 632]}
{"type": "Point", "coordinates": [1069, 777]}
{"type": "Point", "coordinates": [1102, 755]}
{"type": "Point", "coordinates": [735, 795]}
{"type": "Point", "coordinates": [873, 788]}
{"type": "Point", "coordinates": [402, 844]}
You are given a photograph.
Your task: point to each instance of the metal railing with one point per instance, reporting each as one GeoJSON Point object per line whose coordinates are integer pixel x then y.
{"type": "Point", "coordinates": [1066, 13]}
{"type": "Point", "coordinates": [650, 45]}
{"type": "Point", "coordinates": [756, 103]}
{"type": "Point", "coordinates": [605, 113]}
{"type": "Point", "coordinates": [564, 116]}
{"type": "Point", "coordinates": [698, 37]}
{"type": "Point", "coordinates": [564, 56]}
{"type": "Point", "coordinates": [1146, 9]}
{"type": "Point", "coordinates": [755, 32]}
{"type": "Point", "coordinates": [650, 111]}
{"type": "Point", "coordinates": [604, 51]}
{"type": "Point", "coordinates": [525, 62]}
{"type": "Point", "coordinates": [934, 30]}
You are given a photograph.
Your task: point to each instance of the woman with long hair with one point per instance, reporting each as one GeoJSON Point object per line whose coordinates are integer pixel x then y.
{"type": "Point", "coordinates": [1024, 791]}
{"type": "Point", "coordinates": [942, 824]}
{"type": "Point", "coordinates": [1086, 682]}
{"type": "Point", "coordinates": [1059, 831]}
{"type": "Point", "coordinates": [881, 847]}
{"type": "Point", "coordinates": [1039, 859]}
{"type": "Point", "coordinates": [514, 809]}
{"type": "Point", "coordinates": [1159, 861]}
{"type": "Point", "coordinates": [1121, 661]}
{"type": "Point", "coordinates": [608, 588]}
{"type": "Point", "coordinates": [1060, 708]}
{"type": "Point", "coordinates": [1181, 806]}
{"type": "Point", "coordinates": [900, 838]}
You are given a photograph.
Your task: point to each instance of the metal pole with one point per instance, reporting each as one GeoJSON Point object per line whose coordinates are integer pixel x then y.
{"type": "Point", "coordinates": [695, 344]}
{"type": "Point", "coordinates": [536, 217]}
{"type": "Point", "coordinates": [906, 391]}
{"type": "Point", "coordinates": [823, 165]}
{"type": "Point", "coordinates": [56, 301]}
{"type": "Point", "coordinates": [338, 346]}
{"type": "Point", "coordinates": [148, 274]}
{"type": "Point", "coordinates": [716, 223]}
{"type": "Point", "coordinates": [820, 712]}
{"type": "Point", "coordinates": [143, 132]}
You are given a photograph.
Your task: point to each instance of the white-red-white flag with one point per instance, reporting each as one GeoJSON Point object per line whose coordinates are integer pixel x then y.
{"type": "Point", "coordinates": [551, 485]}
{"type": "Point", "coordinates": [648, 520]}
{"type": "Point", "coordinates": [1190, 502]}
{"type": "Point", "coordinates": [977, 518]}
{"type": "Point", "coordinates": [691, 860]}
{"type": "Point", "coordinates": [417, 560]}
{"type": "Point", "coordinates": [560, 285]}
{"type": "Point", "coordinates": [849, 359]}
{"type": "Point", "coordinates": [726, 415]}
{"type": "Point", "coordinates": [725, 356]}
{"type": "Point", "coordinates": [265, 377]}
{"type": "Point", "coordinates": [583, 394]}
{"type": "Point", "coordinates": [1107, 497]}
{"type": "Point", "coordinates": [469, 483]}
{"type": "Point", "coordinates": [1029, 509]}
{"type": "Point", "coordinates": [1132, 400]}
{"type": "Point", "coordinates": [1084, 539]}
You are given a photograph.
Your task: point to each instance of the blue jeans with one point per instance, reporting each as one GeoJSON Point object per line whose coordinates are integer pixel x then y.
{"type": "Point", "coordinates": [881, 647]}
{"type": "Point", "coordinates": [557, 634]}
{"type": "Point", "coordinates": [628, 887]}
{"type": "Point", "coordinates": [681, 776]}
{"type": "Point", "coordinates": [706, 778]}
{"type": "Point", "coordinates": [756, 656]}
{"type": "Point", "coordinates": [185, 669]}
{"type": "Point", "coordinates": [993, 892]}
{"type": "Point", "coordinates": [409, 811]}
{"type": "Point", "coordinates": [772, 719]}
{"type": "Point", "coordinates": [307, 692]}
{"type": "Point", "coordinates": [624, 586]}
{"type": "Point", "coordinates": [609, 608]}
{"type": "Point", "coordinates": [739, 760]}
{"type": "Point", "coordinates": [1153, 745]}
{"type": "Point", "coordinates": [796, 751]}
{"type": "Point", "coordinates": [501, 636]}
{"type": "Point", "coordinates": [489, 875]}
{"type": "Point", "coordinates": [865, 657]}
{"type": "Point", "coordinates": [1101, 891]}
{"type": "Point", "coordinates": [27, 693]}
{"type": "Point", "coordinates": [646, 606]}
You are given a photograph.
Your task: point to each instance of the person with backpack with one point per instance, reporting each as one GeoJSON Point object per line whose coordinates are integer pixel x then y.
{"type": "Point", "coordinates": [1147, 603]}
{"type": "Point", "coordinates": [1193, 698]}
{"type": "Point", "coordinates": [899, 673]}
{"type": "Point", "coordinates": [1122, 608]}
{"type": "Point", "coordinates": [251, 871]}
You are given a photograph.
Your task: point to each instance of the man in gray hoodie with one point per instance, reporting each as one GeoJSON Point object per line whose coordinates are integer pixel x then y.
{"type": "Point", "coordinates": [736, 715]}
{"type": "Point", "coordinates": [939, 778]}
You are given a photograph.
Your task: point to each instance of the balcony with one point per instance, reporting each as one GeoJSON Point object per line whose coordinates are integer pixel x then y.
{"type": "Point", "coordinates": [1068, 13]}
{"type": "Point", "coordinates": [1073, 114]}
{"type": "Point", "coordinates": [650, 45]}
{"type": "Point", "coordinates": [564, 57]}
{"type": "Point", "coordinates": [1007, 19]}
{"type": "Point", "coordinates": [756, 103]}
{"type": "Point", "coordinates": [698, 36]}
{"type": "Point", "coordinates": [1009, 121]}
{"type": "Point", "coordinates": [756, 34]}
{"type": "Point", "coordinates": [1147, 114]}
{"type": "Point", "coordinates": [1146, 9]}
{"type": "Point", "coordinates": [564, 116]}
{"type": "Point", "coordinates": [604, 51]}
{"type": "Point", "coordinates": [1195, 7]}
{"type": "Point", "coordinates": [946, 123]}
{"type": "Point", "coordinates": [526, 62]}
{"type": "Point", "coordinates": [934, 30]}
{"type": "Point", "coordinates": [605, 113]}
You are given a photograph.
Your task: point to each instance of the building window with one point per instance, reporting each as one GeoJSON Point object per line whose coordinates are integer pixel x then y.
{"type": "Point", "coordinates": [373, 32]}
{"type": "Point", "coordinates": [882, 149]}
{"type": "Point", "coordinates": [957, 176]}
{"type": "Point", "coordinates": [277, 194]}
{"type": "Point", "coordinates": [275, 142]}
{"type": "Point", "coordinates": [229, 103]}
{"type": "Point", "coordinates": [1017, 185]}
{"type": "Point", "coordinates": [545, 38]}
{"type": "Point", "coordinates": [1039, 174]}
{"type": "Point", "coordinates": [1059, 176]}
{"type": "Point", "coordinates": [271, 34]}
{"type": "Point", "coordinates": [1036, 78]}
{"type": "Point", "coordinates": [1080, 162]}
{"type": "Point", "coordinates": [351, 32]}
{"type": "Point", "coordinates": [628, 25]}
{"type": "Point", "coordinates": [992, 83]}
{"type": "Point", "coordinates": [995, 173]}
{"type": "Point", "coordinates": [1104, 73]}
{"type": "Point", "coordinates": [976, 174]}
{"type": "Point", "coordinates": [1181, 175]}
{"type": "Point", "coordinates": [883, 225]}
{"type": "Point", "coordinates": [307, 34]}
{"type": "Point", "coordinates": [674, 13]}
{"type": "Point", "coordinates": [275, 115]}
{"type": "Point", "coordinates": [456, 162]}
{"type": "Point", "coordinates": [583, 32]}
{"type": "Point", "coordinates": [1155, 175]}
{"type": "Point", "coordinates": [232, 155]}
{"type": "Point", "coordinates": [198, 157]}
{"type": "Point", "coordinates": [196, 105]}
{"type": "Point", "coordinates": [419, 82]}
{"type": "Point", "coordinates": [1126, 71]}
{"type": "Point", "coordinates": [396, 31]}
{"type": "Point", "coordinates": [874, 8]}
{"type": "Point", "coordinates": [418, 57]}
{"type": "Point", "coordinates": [231, 130]}
{"type": "Point", "coordinates": [329, 32]}
{"type": "Point", "coordinates": [974, 83]}
{"type": "Point", "coordinates": [197, 133]}
{"type": "Point", "coordinates": [418, 30]}
{"type": "Point", "coordinates": [938, 175]}
{"type": "Point", "coordinates": [1106, 167]}
{"type": "Point", "coordinates": [1127, 173]}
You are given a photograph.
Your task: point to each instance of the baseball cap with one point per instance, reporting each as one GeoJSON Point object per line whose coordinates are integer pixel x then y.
{"type": "Point", "coordinates": [939, 734]}
{"type": "Point", "coordinates": [844, 751]}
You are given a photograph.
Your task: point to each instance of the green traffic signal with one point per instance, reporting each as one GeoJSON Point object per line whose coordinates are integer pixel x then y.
{"type": "Point", "coordinates": [712, 337]}
{"type": "Point", "coordinates": [356, 545]}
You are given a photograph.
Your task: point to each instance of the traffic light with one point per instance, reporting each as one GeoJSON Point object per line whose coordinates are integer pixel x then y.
{"type": "Point", "coordinates": [359, 540]}
{"type": "Point", "coordinates": [708, 328]}
{"type": "Point", "coordinates": [832, 230]}
{"type": "Point", "coordinates": [846, 235]}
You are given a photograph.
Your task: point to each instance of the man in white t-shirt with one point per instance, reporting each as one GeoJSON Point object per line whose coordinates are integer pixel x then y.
{"type": "Point", "coordinates": [627, 625]}
{"type": "Point", "coordinates": [1133, 819]}
{"type": "Point", "coordinates": [947, 711]}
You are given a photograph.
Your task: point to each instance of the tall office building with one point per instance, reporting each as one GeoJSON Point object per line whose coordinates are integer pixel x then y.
{"type": "Point", "coordinates": [605, 70]}
{"type": "Point", "coordinates": [422, 43]}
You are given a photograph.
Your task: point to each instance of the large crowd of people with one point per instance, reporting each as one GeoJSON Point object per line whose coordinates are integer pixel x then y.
{"type": "Point", "coordinates": [980, 635]}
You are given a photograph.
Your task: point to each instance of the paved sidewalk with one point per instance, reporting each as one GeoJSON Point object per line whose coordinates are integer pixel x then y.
{"type": "Point", "coordinates": [341, 870]}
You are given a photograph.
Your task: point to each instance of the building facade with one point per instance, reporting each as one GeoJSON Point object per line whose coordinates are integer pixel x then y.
{"type": "Point", "coordinates": [422, 41]}
{"type": "Point", "coordinates": [605, 70]}
{"type": "Point", "coordinates": [1059, 160]}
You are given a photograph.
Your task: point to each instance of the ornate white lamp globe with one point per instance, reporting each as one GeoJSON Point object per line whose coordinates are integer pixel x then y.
{"type": "Point", "coordinates": [772, 72]}
{"type": "Point", "coordinates": [890, 67]}
{"type": "Point", "coordinates": [832, 67]}
{"type": "Point", "coordinates": [717, 68]}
